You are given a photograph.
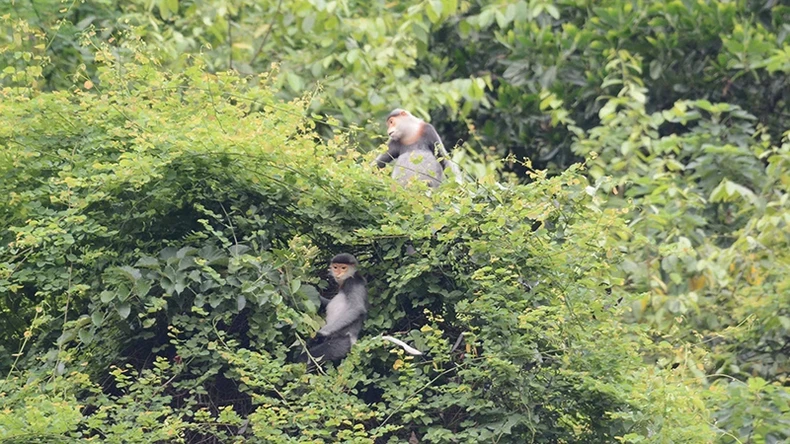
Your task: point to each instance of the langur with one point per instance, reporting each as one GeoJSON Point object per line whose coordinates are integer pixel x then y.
{"type": "Point", "coordinates": [345, 312]}
{"type": "Point", "coordinates": [413, 145]}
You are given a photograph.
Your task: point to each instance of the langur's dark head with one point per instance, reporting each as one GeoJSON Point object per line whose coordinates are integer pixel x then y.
{"type": "Point", "coordinates": [342, 267]}
{"type": "Point", "coordinates": [403, 127]}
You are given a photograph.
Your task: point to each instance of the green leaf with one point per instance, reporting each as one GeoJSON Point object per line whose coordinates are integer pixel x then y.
{"type": "Point", "coordinates": [294, 82]}
{"type": "Point", "coordinates": [608, 109]}
{"type": "Point", "coordinates": [65, 337]}
{"type": "Point", "coordinates": [97, 318]}
{"type": "Point", "coordinates": [308, 23]}
{"type": "Point", "coordinates": [486, 18]}
{"type": "Point", "coordinates": [704, 104]}
{"type": "Point", "coordinates": [147, 262]}
{"type": "Point", "coordinates": [501, 20]}
{"type": "Point", "coordinates": [107, 296]}
{"type": "Point", "coordinates": [311, 293]}
{"type": "Point", "coordinates": [171, 5]}
{"type": "Point", "coordinates": [553, 11]}
{"type": "Point", "coordinates": [167, 8]}
{"type": "Point", "coordinates": [638, 96]}
{"type": "Point", "coordinates": [295, 285]}
{"type": "Point", "coordinates": [213, 255]}
{"type": "Point", "coordinates": [626, 147]}
{"type": "Point", "coordinates": [142, 287]}
{"type": "Point", "coordinates": [656, 68]}
{"type": "Point", "coordinates": [168, 253]}
{"type": "Point", "coordinates": [434, 10]}
{"type": "Point", "coordinates": [124, 310]}
{"type": "Point", "coordinates": [420, 31]}
{"type": "Point", "coordinates": [238, 250]}
{"type": "Point", "coordinates": [727, 190]}
{"type": "Point", "coordinates": [86, 336]}
{"type": "Point", "coordinates": [449, 6]}
{"type": "Point", "coordinates": [130, 272]}
{"type": "Point", "coordinates": [185, 252]}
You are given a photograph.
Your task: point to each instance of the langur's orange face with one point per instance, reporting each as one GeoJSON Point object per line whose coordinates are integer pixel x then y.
{"type": "Point", "coordinates": [392, 124]}
{"type": "Point", "coordinates": [339, 271]}
{"type": "Point", "coordinates": [404, 128]}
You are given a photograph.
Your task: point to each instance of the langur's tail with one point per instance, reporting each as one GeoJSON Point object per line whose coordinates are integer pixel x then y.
{"type": "Point", "coordinates": [409, 349]}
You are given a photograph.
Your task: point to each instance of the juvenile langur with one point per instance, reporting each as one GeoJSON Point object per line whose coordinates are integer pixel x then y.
{"type": "Point", "coordinates": [345, 312]}
{"type": "Point", "coordinates": [413, 145]}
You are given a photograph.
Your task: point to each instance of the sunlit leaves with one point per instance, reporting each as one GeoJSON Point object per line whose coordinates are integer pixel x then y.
{"type": "Point", "coordinates": [700, 193]}
{"type": "Point", "coordinates": [728, 190]}
{"type": "Point", "coordinates": [167, 8]}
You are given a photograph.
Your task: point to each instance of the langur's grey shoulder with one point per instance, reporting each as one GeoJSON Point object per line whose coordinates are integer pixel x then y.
{"type": "Point", "coordinates": [357, 287]}
{"type": "Point", "coordinates": [361, 292]}
{"type": "Point", "coordinates": [430, 135]}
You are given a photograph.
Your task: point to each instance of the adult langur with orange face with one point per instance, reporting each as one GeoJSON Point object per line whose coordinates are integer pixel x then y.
{"type": "Point", "coordinates": [417, 150]}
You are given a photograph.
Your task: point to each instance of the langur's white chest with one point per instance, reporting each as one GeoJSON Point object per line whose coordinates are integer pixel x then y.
{"type": "Point", "coordinates": [336, 307]}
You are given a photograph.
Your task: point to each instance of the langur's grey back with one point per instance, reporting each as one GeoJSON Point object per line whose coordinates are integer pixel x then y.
{"type": "Point", "coordinates": [419, 163]}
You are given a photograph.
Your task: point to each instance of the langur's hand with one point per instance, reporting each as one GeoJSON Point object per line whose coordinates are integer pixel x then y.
{"type": "Point", "coordinates": [318, 339]}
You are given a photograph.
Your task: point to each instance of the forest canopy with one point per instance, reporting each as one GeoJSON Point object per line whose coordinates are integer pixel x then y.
{"type": "Point", "coordinates": [615, 265]}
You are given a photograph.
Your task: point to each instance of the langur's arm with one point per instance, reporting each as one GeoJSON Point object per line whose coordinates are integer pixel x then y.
{"type": "Point", "coordinates": [324, 301]}
{"type": "Point", "coordinates": [392, 153]}
{"type": "Point", "coordinates": [356, 295]}
{"type": "Point", "coordinates": [435, 145]}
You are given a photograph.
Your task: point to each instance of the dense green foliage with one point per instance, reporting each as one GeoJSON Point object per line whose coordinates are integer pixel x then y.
{"type": "Point", "coordinates": [179, 231]}
{"type": "Point", "coordinates": [472, 64]}
{"type": "Point", "coordinates": [168, 221]}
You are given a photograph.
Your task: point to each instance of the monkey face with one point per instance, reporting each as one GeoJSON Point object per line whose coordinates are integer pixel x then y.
{"type": "Point", "coordinates": [341, 271]}
{"type": "Point", "coordinates": [404, 128]}
{"type": "Point", "coordinates": [392, 128]}
{"type": "Point", "coordinates": [338, 269]}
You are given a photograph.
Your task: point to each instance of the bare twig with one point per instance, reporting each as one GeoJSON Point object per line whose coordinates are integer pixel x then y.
{"type": "Point", "coordinates": [268, 31]}
{"type": "Point", "coordinates": [230, 42]}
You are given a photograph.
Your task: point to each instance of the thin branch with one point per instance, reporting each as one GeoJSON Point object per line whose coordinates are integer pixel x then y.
{"type": "Point", "coordinates": [268, 31]}
{"type": "Point", "coordinates": [230, 42]}
{"type": "Point", "coordinates": [425, 387]}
